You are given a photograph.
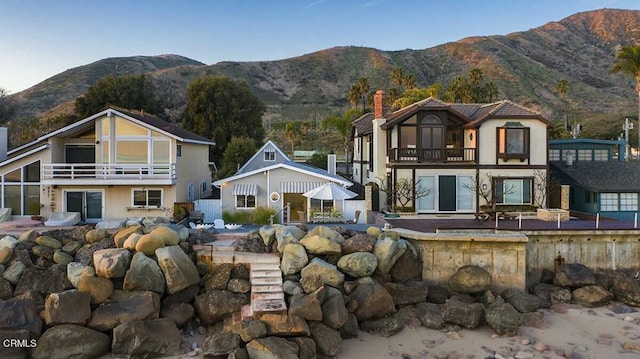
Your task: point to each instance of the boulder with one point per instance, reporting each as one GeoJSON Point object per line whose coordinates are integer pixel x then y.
{"type": "Point", "coordinates": [20, 314]}
{"type": "Point", "coordinates": [240, 271]}
{"type": "Point", "coordinates": [470, 279]}
{"type": "Point", "coordinates": [307, 347]}
{"type": "Point", "coordinates": [43, 252]}
{"type": "Point", "coordinates": [325, 272]}
{"type": "Point", "coordinates": [48, 242]}
{"type": "Point", "coordinates": [84, 255]}
{"type": "Point", "coordinates": [218, 276]}
{"type": "Point", "coordinates": [71, 247]}
{"type": "Point", "coordinates": [169, 236]}
{"type": "Point", "coordinates": [13, 272]}
{"type": "Point", "coordinates": [328, 340]}
{"type": "Point", "coordinates": [358, 264]}
{"type": "Point", "coordinates": [148, 244]}
{"type": "Point", "coordinates": [8, 242]}
{"type": "Point", "coordinates": [292, 287]}
{"type": "Point", "coordinates": [180, 313]}
{"type": "Point", "coordinates": [121, 236]}
{"type": "Point", "coordinates": [131, 241]}
{"type": "Point", "coordinates": [178, 269]}
{"type": "Point", "coordinates": [214, 305]}
{"type": "Point", "coordinates": [285, 325]}
{"type": "Point", "coordinates": [503, 318]}
{"type": "Point", "coordinates": [284, 240]}
{"type": "Point", "coordinates": [522, 302]}
{"type": "Point", "coordinates": [272, 348]}
{"type": "Point", "coordinates": [326, 232]}
{"type": "Point", "coordinates": [573, 275]}
{"type": "Point", "coordinates": [627, 290]}
{"type": "Point", "coordinates": [148, 338]}
{"type": "Point", "coordinates": [361, 242]}
{"type": "Point", "coordinates": [77, 270]}
{"type": "Point", "coordinates": [407, 267]}
{"type": "Point", "coordinates": [112, 224]}
{"type": "Point", "coordinates": [143, 274]}
{"type": "Point", "coordinates": [407, 293]}
{"type": "Point", "coordinates": [250, 329]}
{"type": "Point", "coordinates": [28, 236]}
{"type": "Point", "coordinates": [316, 244]}
{"type": "Point", "coordinates": [5, 255]}
{"type": "Point", "coordinates": [384, 327]}
{"type": "Point", "coordinates": [6, 289]}
{"type": "Point", "coordinates": [294, 258]}
{"type": "Point", "coordinates": [468, 315]}
{"type": "Point", "coordinates": [334, 312]}
{"type": "Point", "coordinates": [308, 306]}
{"type": "Point", "coordinates": [16, 352]}
{"type": "Point", "coordinates": [430, 315]}
{"type": "Point", "coordinates": [350, 328]}
{"type": "Point", "coordinates": [112, 262]}
{"type": "Point", "coordinates": [184, 296]}
{"type": "Point", "coordinates": [239, 285]}
{"type": "Point", "coordinates": [71, 341]}
{"type": "Point", "coordinates": [60, 257]}
{"type": "Point", "coordinates": [68, 307]}
{"type": "Point", "coordinates": [138, 306]}
{"type": "Point", "coordinates": [31, 278]}
{"type": "Point", "coordinates": [221, 343]}
{"type": "Point", "coordinates": [388, 250]}
{"type": "Point", "coordinates": [268, 234]}
{"type": "Point", "coordinates": [552, 294]}
{"type": "Point", "coordinates": [591, 296]}
{"type": "Point", "coordinates": [374, 231]}
{"type": "Point", "coordinates": [374, 301]}
{"type": "Point", "coordinates": [96, 235]}
{"type": "Point", "coordinates": [98, 288]}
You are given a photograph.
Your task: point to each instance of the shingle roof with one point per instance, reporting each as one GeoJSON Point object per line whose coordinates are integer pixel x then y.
{"type": "Point", "coordinates": [164, 126]}
{"type": "Point", "coordinates": [363, 124]}
{"type": "Point", "coordinates": [600, 176]}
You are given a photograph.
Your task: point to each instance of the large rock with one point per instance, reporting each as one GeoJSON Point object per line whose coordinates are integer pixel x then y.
{"type": "Point", "coordinates": [388, 250]}
{"type": "Point", "coordinates": [71, 341]}
{"type": "Point", "coordinates": [503, 318]}
{"type": "Point", "coordinates": [178, 269]}
{"type": "Point", "coordinates": [573, 275]}
{"type": "Point", "coordinates": [407, 293]}
{"type": "Point", "coordinates": [522, 302]}
{"type": "Point", "coordinates": [8, 242]}
{"type": "Point", "coordinates": [285, 325]}
{"type": "Point", "coordinates": [328, 340]}
{"type": "Point", "coordinates": [350, 328]}
{"type": "Point", "coordinates": [218, 276]}
{"type": "Point", "coordinates": [294, 258]}
{"type": "Point", "coordinates": [470, 279]}
{"type": "Point", "coordinates": [374, 301]}
{"type": "Point", "coordinates": [627, 290]}
{"type": "Point", "coordinates": [285, 240]}
{"type": "Point", "coordinates": [96, 235]}
{"type": "Point", "coordinates": [61, 257]}
{"type": "Point", "coordinates": [358, 264]}
{"type": "Point", "coordinates": [84, 255]}
{"type": "Point", "coordinates": [250, 329]}
{"type": "Point", "coordinates": [148, 244]}
{"type": "Point", "coordinates": [307, 347]}
{"type": "Point", "coordinates": [316, 244]}
{"type": "Point", "coordinates": [98, 288]}
{"type": "Point", "coordinates": [138, 306]}
{"type": "Point", "coordinates": [384, 327]}
{"type": "Point", "coordinates": [169, 236]}
{"type": "Point", "coordinates": [5, 255]}
{"type": "Point", "coordinates": [32, 278]}
{"type": "Point", "coordinates": [239, 285]}
{"type": "Point", "coordinates": [16, 352]}
{"type": "Point", "coordinates": [144, 274]}
{"type": "Point", "coordinates": [268, 234]}
{"type": "Point", "coordinates": [407, 267]}
{"type": "Point", "coordinates": [430, 315]}
{"type": "Point", "coordinates": [180, 313]}
{"type": "Point", "coordinates": [221, 343]}
{"type": "Point", "coordinates": [6, 289]}
{"type": "Point", "coordinates": [468, 315]}
{"type": "Point", "coordinates": [20, 314]}
{"type": "Point", "coordinates": [131, 241]}
{"type": "Point", "coordinates": [13, 272]}
{"type": "Point", "coordinates": [111, 263]}
{"type": "Point", "coordinates": [121, 236]}
{"type": "Point", "coordinates": [334, 311]}
{"type": "Point", "coordinates": [552, 294]}
{"type": "Point", "coordinates": [308, 306]}
{"type": "Point", "coordinates": [214, 305]}
{"type": "Point", "coordinates": [28, 236]}
{"type": "Point", "coordinates": [591, 296]}
{"type": "Point", "coordinates": [158, 337]}
{"type": "Point", "coordinates": [326, 232]}
{"type": "Point", "coordinates": [325, 272]}
{"type": "Point", "coordinates": [68, 307]}
{"type": "Point", "coordinates": [272, 348]}
{"type": "Point", "coordinates": [361, 242]}
{"type": "Point", "coordinates": [48, 242]}
{"type": "Point", "coordinates": [295, 232]}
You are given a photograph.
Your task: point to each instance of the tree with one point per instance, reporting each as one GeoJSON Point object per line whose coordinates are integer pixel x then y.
{"type": "Point", "coordinates": [403, 192]}
{"type": "Point", "coordinates": [416, 94]}
{"type": "Point", "coordinates": [358, 92]}
{"type": "Point", "coordinates": [130, 92]}
{"type": "Point", "coordinates": [628, 62]}
{"type": "Point", "coordinates": [342, 125]}
{"type": "Point", "coordinates": [485, 190]}
{"type": "Point", "coordinates": [220, 108]}
{"type": "Point", "coordinates": [7, 108]}
{"type": "Point", "coordinates": [238, 151]}
{"type": "Point", "coordinates": [291, 132]}
{"type": "Point", "coordinates": [562, 87]}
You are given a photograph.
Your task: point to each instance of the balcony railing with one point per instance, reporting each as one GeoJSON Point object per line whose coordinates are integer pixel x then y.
{"type": "Point", "coordinates": [99, 171]}
{"type": "Point", "coordinates": [436, 155]}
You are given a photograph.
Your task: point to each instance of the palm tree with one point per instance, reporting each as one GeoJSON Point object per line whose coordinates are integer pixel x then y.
{"type": "Point", "coordinates": [291, 132]}
{"type": "Point", "coordinates": [628, 62]}
{"type": "Point", "coordinates": [562, 87]}
{"type": "Point", "coordinates": [363, 89]}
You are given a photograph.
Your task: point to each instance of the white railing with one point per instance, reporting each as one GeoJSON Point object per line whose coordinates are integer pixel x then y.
{"type": "Point", "coordinates": [89, 171]}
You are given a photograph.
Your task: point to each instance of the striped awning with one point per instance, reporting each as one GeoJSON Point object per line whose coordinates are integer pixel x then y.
{"type": "Point", "coordinates": [245, 190]}
{"type": "Point", "coordinates": [298, 187]}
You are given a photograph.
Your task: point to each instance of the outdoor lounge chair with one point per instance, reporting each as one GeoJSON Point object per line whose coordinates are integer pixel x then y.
{"type": "Point", "coordinates": [218, 223]}
{"type": "Point", "coordinates": [355, 218]}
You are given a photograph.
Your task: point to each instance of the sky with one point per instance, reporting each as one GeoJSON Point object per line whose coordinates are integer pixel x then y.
{"type": "Point", "coordinates": [41, 38]}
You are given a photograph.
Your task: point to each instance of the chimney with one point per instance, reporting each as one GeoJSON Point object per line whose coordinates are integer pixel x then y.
{"type": "Point", "coordinates": [331, 164]}
{"type": "Point", "coordinates": [379, 109]}
{"type": "Point", "coordinates": [4, 144]}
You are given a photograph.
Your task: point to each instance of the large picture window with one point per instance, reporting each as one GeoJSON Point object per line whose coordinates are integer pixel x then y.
{"type": "Point", "coordinates": [613, 202]}
{"type": "Point", "coordinates": [609, 202]}
{"type": "Point", "coordinates": [513, 191]}
{"type": "Point", "coordinates": [513, 141]}
{"type": "Point", "coordinates": [151, 198]}
{"type": "Point", "coordinates": [245, 201]}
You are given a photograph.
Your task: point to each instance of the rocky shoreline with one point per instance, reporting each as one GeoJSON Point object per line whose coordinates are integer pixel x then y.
{"type": "Point", "coordinates": [142, 291]}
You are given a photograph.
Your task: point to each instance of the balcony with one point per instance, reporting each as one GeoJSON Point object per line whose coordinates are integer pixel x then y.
{"type": "Point", "coordinates": [108, 174]}
{"type": "Point", "coordinates": [433, 155]}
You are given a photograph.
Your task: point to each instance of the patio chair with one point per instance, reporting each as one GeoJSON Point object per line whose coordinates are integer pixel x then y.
{"type": "Point", "coordinates": [218, 223]}
{"type": "Point", "coordinates": [302, 217]}
{"type": "Point", "coordinates": [355, 218]}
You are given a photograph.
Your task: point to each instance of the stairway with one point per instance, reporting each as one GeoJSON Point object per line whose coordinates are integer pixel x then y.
{"type": "Point", "coordinates": [267, 295]}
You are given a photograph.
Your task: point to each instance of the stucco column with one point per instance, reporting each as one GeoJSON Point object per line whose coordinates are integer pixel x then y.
{"type": "Point", "coordinates": [564, 196]}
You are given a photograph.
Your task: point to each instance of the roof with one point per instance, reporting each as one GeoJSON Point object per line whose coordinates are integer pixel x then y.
{"type": "Point", "coordinates": [363, 124]}
{"type": "Point", "coordinates": [471, 113]}
{"type": "Point", "coordinates": [597, 175]}
{"type": "Point", "coordinates": [291, 165]}
{"type": "Point", "coordinates": [162, 126]}
{"type": "Point", "coordinates": [260, 151]}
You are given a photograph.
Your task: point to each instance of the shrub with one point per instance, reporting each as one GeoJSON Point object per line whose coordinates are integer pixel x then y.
{"type": "Point", "coordinates": [261, 215]}
{"type": "Point", "coordinates": [239, 217]}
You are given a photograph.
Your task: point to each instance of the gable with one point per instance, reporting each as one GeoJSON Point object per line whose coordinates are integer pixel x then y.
{"type": "Point", "coordinates": [269, 154]}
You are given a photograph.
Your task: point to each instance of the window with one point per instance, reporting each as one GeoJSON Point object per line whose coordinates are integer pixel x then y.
{"type": "Point", "coordinates": [554, 155]}
{"type": "Point", "coordinates": [465, 192]}
{"type": "Point", "coordinates": [245, 201]}
{"type": "Point", "coordinates": [179, 151]}
{"type": "Point", "coordinates": [600, 155]}
{"type": "Point", "coordinates": [191, 189]}
{"type": "Point", "coordinates": [513, 191]}
{"type": "Point", "coordinates": [584, 155]}
{"type": "Point", "coordinates": [609, 201]}
{"type": "Point", "coordinates": [204, 187]}
{"type": "Point", "coordinates": [147, 198]}
{"type": "Point", "coordinates": [628, 202]}
{"type": "Point", "coordinates": [513, 141]}
{"type": "Point", "coordinates": [269, 155]}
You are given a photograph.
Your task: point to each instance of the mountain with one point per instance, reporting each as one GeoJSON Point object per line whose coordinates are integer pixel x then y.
{"type": "Point", "coordinates": [525, 66]}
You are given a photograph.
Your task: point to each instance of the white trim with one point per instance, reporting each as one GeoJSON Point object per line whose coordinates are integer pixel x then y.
{"type": "Point", "coordinates": [327, 177]}
{"type": "Point", "coordinates": [84, 209]}
{"type": "Point", "coordinates": [147, 189]}
{"type": "Point", "coordinates": [261, 150]}
{"type": "Point", "coordinates": [26, 154]}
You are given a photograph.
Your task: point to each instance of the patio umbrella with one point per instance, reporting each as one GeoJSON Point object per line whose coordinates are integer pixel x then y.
{"type": "Point", "coordinates": [330, 191]}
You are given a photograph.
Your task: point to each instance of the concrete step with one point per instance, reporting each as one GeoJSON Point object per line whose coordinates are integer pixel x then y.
{"type": "Point", "coordinates": [266, 288]}
{"type": "Point", "coordinates": [265, 266]}
{"type": "Point", "coordinates": [266, 281]}
{"type": "Point", "coordinates": [252, 258]}
{"type": "Point", "coordinates": [267, 306]}
{"type": "Point", "coordinates": [266, 296]}
{"type": "Point", "coordinates": [266, 273]}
